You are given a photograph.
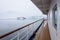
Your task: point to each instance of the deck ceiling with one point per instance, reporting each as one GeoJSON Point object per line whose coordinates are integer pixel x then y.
{"type": "Point", "coordinates": [43, 5]}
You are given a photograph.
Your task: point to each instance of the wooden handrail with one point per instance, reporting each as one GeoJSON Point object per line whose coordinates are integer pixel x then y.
{"type": "Point", "coordinates": [18, 29]}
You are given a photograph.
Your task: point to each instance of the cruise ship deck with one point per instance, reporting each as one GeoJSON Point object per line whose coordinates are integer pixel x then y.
{"type": "Point", "coordinates": [31, 29]}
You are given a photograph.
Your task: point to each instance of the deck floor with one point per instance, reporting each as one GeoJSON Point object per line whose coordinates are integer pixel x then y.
{"type": "Point", "coordinates": [43, 33]}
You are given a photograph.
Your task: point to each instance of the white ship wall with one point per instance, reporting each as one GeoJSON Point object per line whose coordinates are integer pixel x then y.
{"type": "Point", "coordinates": [58, 31]}
{"type": "Point", "coordinates": [53, 31]}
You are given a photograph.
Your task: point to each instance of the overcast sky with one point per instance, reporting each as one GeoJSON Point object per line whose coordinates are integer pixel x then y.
{"type": "Point", "coordinates": [18, 8]}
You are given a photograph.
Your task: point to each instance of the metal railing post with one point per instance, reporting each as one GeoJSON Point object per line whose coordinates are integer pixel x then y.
{"type": "Point", "coordinates": [18, 35]}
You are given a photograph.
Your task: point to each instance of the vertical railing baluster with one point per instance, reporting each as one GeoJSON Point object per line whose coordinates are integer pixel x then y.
{"type": "Point", "coordinates": [27, 33]}
{"type": "Point", "coordinates": [18, 35]}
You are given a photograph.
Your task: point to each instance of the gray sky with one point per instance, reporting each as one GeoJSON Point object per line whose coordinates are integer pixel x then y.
{"type": "Point", "coordinates": [18, 8]}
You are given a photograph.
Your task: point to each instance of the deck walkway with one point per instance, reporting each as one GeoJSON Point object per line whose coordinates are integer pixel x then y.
{"type": "Point", "coordinates": [43, 33]}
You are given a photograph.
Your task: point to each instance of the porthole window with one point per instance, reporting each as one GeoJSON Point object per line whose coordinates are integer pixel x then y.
{"type": "Point", "coordinates": [55, 16]}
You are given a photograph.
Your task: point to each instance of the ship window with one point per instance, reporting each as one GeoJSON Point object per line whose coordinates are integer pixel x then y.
{"type": "Point", "coordinates": [55, 16]}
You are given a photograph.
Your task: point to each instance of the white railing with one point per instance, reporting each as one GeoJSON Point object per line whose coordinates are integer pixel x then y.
{"type": "Point", "coordinates": [24, 33]}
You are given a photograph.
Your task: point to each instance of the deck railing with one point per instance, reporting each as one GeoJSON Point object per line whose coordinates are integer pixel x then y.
{"type": "Point", "coordinates": [23, 33]}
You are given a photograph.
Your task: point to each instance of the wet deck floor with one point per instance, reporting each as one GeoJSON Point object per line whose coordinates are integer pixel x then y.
{"type": "Point", "coordinates": [43, 33]}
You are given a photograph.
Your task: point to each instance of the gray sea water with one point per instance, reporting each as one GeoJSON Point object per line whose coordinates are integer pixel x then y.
{"type": "Point", "coordinates": [9, 25]}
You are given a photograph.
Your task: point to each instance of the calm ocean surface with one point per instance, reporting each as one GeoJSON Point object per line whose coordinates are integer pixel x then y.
{"type": "Point", "coordinates": [9, 25]}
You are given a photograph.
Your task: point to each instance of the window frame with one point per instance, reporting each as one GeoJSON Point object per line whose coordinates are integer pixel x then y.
{"type": "Point", "coordinates": [54, 16]}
